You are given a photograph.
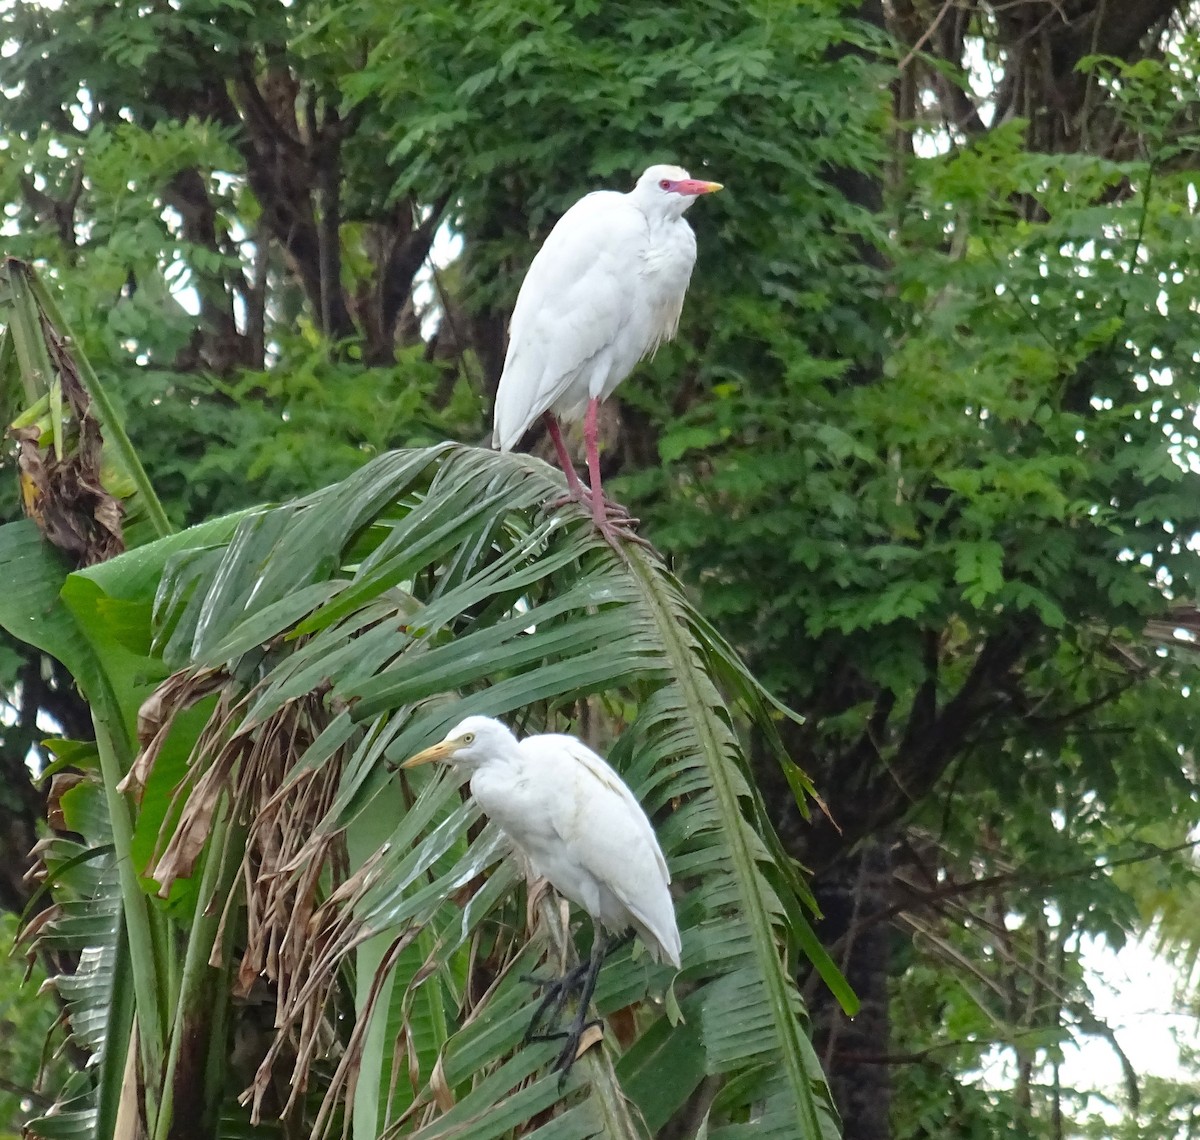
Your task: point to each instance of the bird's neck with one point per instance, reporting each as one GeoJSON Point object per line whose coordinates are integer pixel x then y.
{"type": "Point", "coordinates": [499, 764]}
{"type": "Point", "coordinates": [659, 222]}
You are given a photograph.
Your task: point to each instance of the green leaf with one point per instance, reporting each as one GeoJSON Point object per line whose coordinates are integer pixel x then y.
{"type": "Point", "coordinates": [30, 607]}
{"type": "Point", "coordinates": [978, 567]}
{"type": "Point", "coordinates": [408, 612]}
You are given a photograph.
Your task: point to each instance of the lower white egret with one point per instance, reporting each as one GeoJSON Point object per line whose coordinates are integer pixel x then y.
{"type": "Point", "coordinates": [605, 289]}
{"type": "Point", "coordinates": [581, 829]}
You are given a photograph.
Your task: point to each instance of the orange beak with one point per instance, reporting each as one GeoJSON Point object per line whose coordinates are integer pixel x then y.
{"type": "Point", "coordinates": [442, 751]}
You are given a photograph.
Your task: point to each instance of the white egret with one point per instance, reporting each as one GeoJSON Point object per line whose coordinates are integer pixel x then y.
{"type": "Point", "coordinates": [580, 828]}
{"type": "Point", "coordinates": [605, 290]}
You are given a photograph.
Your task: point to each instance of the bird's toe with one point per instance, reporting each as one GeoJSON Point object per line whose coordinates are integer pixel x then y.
{"type": "Point", "coordinates": [618, 532]}
{"type": "Point", "coordinates": [579, 1040]}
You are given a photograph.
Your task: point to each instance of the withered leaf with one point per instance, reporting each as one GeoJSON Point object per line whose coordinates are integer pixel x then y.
{"type": "Point", "coordinates": [443, 1094]}
{"type": "Point", "coordinates": [592, 1035]}
{"type": "Point", "coordinates": [62, 783]}
{"type": "Point", "coordinates": [176, 694]}
{"type": "Point", "coordinates": [66, 497]}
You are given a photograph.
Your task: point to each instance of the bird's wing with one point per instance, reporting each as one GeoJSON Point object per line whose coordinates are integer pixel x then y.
{"type": "Point", "coordinates": [584, 831]}
{"type": "Point", "coordinates": [599, 770]}
{"type": "Point", "coordinates": [575, 300]}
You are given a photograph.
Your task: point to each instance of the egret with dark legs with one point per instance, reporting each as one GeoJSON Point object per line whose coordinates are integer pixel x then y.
{"type": "Point", "coordinates": [582, 830]}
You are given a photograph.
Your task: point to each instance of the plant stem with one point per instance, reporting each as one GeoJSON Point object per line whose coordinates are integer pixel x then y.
{"type": "Point", "coordinates": [194, 1006]}
{"type": "Point", "coordinates": [134, 906]}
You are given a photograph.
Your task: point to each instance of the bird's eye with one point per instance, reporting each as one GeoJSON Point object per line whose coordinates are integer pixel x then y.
{"type": "Point", "coordinates": [468, 737]}
{"type": "Point", "coordinates": [665, 184]}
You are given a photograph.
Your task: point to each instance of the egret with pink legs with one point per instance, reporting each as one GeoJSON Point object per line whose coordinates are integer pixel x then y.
{"type": "Point", "coordinates": [605, 290]}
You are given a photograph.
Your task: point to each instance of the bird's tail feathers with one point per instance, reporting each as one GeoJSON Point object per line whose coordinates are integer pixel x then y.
{"type": "Point", "coordinates": [504, 438]}
{"type": "Point", "coordinates": [664, 945]}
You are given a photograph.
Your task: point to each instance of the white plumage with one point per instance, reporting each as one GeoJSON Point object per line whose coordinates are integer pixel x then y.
{"type": "Point", "coordinates": [604, 291]}
{"type": "Point", "coordinates": [575, 820]}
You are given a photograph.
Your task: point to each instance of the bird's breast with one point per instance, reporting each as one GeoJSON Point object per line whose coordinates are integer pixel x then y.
{"type": "Point", "coordinates": [517, 804]}
{"type": "Point", "coordinates": [668, 259]}
{"type": "Point", "coordinates": [666, 270]}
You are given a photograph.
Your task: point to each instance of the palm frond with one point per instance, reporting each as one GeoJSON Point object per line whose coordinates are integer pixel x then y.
{"type": "Point", "coordinates": [84, 922]}
{"type": "Point", "coordinates": [345, 630]}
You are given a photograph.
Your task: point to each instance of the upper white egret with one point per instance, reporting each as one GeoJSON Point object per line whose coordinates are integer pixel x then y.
{"type": "Point", "coordinates": [604, 290]}
{"type": "Point", "coordinates": [581, 829]}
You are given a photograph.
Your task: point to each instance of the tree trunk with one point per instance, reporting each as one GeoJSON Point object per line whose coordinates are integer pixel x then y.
{"type": "Point", "coordinates": [854, 896]}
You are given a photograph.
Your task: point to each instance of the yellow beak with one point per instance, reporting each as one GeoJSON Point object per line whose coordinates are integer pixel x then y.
{"type": "Point", "coordinates": [442, 751]}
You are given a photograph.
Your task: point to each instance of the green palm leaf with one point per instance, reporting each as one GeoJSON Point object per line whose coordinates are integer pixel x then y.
{"type": "Point", "coordinates": [85, 920]}
{"type": "Point", "coordinates": [309, 648]}
{"type": "Point", "coordinates": [427, 586]}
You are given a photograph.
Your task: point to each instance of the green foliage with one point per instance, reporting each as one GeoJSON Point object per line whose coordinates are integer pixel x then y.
{"type": "Point", "coordinates": [265, 435]}
{"type": "Point", "coordinates": [1169, 1110]}
{"type": "Point", "coordinates": [426, 585]}
{"type": "Point", "coordinates": [1062, 495]}
{"type": "Point", "coordinates": [26, 1021]}
{"type": "Point", "coordinates": [924, 447]}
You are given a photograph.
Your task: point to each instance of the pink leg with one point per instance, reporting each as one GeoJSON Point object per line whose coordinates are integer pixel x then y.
{"type": "Point", "coordinates": [590, 435]}
{"type": "Point", "coordinates": [564, 458]}
{"type": "Point", "coordinates": [611, 519]}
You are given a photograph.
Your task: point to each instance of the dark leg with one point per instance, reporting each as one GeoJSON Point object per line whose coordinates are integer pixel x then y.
{"type": "Point", "coordinates": [567, 1057]}
{"type": "Point", "coordinates": [558, 990]}
{"type": "Point", "coordinates": [578, 492]}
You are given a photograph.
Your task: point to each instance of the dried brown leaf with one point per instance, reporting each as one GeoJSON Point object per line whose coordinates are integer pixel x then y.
{"type": "Point", "coordinates": [194, 827]}
{"type": "Point", "coordinates": [591, 1036]}
{"type": "Point", "coordinates": [127, 1126]}
{"type": "Point", "coordinates": [291, 941]}
{"type": "Point", "coordinates": [62, 783]}
{"type": "Point", "coordinates": [443, 1094]}
{"type": "Point", "coordinates": [176, 694]}
{"type": "Point", "coordinates": [66, 497]}
{"type": "Point", "coordinates": [346, 1075]}
{"type": "Point", "coordinates": [29, 933]}
{"type": "Point", "coordinates": [535, 889]}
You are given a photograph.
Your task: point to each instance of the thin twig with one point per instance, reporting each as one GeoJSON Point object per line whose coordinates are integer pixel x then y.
{"type": "Point", "coordinates": [923, 39]}
{"type": "Point", "coordinates": [1013, 878]}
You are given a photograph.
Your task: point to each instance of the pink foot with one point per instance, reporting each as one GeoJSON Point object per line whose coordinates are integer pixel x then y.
{"type": "Point", "coordinates": [615, 523]}
{"type": "Point", "coordinates": [612, 520]}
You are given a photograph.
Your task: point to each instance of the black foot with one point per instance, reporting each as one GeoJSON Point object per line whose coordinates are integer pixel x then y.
{"type": "Point", "coordinates": [571, 1049]}
{"type": "Point", "coordinates": [581, 980]}
{"type": "Point", "coordinates": [557, 992]}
